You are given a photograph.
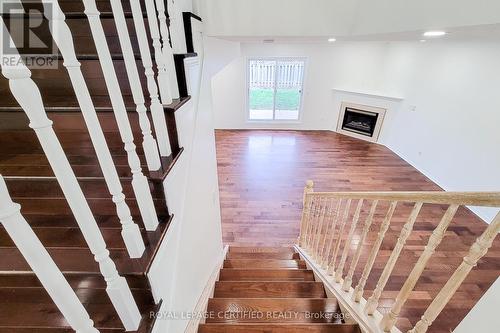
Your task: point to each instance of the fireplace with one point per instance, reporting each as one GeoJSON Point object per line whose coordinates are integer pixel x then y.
{"type": "Point", "coordinates": [360, 121]}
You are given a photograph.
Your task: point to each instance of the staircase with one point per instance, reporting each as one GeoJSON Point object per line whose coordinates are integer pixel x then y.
{"type": "Point", "coordinates": [263, 290]}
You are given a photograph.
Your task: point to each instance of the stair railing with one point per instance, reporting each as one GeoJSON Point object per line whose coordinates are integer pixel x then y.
{"type": "Point", "coordinates": [42, 264]}
{"type": "Point", "coordinates": [139, 181]}
{"type": "Point", "coordinates": [167, 42]}
{"type": "Point", "coordinates": [149, 144]}
{"type": "Point", "coordinates": [323, 240]}
{"type": "Point", "coordinates": [157, 112]}
{"type": "Point", "coordinates": [64, 40]}
{"type": "Point", "coordinates": [29, 98]}
{"type": "Point", "coordinates": [164, 72]}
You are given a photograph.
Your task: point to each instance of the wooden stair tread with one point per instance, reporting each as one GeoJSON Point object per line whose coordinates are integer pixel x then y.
{"type": "Point", "coordinates": [257, 255]}
{"type": "Point", "coordinates": [75, 280]}
{"type": "Point", "coordinates": [242, 249]}
{"type": "Point", "coordinates": [274, 289]}
{"type": "Point", "coordinates": [295, 310]}
{"type": "Point", "coordinates": [264, 263]}
{"type": "Point", "coordinates": [70, 252]}
{"type": "Point", "coordinates": [278, 328]}
{"type": "Point", "coordinates": [229, 274]}
{"type": "Point", "coordinates": [35, 301]}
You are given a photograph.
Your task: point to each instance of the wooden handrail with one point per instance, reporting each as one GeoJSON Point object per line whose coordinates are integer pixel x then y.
{"type": "Point", "coordinates": [319, 223]}
{"type": "Point", "coordinates": [486, 199]}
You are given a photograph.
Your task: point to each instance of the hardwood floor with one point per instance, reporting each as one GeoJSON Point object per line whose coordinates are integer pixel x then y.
{"type": "Point", "coordinates": [262, 175]}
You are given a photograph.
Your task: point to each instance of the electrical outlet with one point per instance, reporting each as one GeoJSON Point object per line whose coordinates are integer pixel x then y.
{"type": "Point", "coordinates": [412, 108]}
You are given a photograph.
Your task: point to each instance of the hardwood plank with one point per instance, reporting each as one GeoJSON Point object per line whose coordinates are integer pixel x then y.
{"type": "Point", "coordinates": [274, 310]}
{"type": "Point", "coordinates": [263, 255]}
{"type": "Point", "coordinates": [229, 274]}
{"type": "Point", "coordinates": [262, 174]}
{"type": "Point", "coordinates": [278, 328]}
{"type": "Point", "coordinates": [269, 289]}
{"type": "Point", "coordinates": [264, 263]}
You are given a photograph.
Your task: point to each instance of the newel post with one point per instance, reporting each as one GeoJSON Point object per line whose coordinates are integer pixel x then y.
{"type": "Point", "coordinates": [42, 264]}
{"type": "Point", "coordinates": [306, 210]}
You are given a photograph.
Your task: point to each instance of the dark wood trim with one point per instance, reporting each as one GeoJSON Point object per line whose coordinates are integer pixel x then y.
{"type": "Point", "coordinates": [188, 29]}
{"type": "Point", "coordinates": [148, 321]}
{"type": "Point", "coordinates": [160, 242]}
{"type": "Point", "coordinates": [172, 124]}
{"type": "Point", "coordinates": [181, 72]}
{"type": "Point", "coordinates": [172, 132]}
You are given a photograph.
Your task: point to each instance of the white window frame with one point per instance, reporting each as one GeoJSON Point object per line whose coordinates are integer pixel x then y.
{"type": "Point", "coordinates": [247, 87]}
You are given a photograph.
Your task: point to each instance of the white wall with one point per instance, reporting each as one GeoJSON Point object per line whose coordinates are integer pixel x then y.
{"type": "Point", "coordinates": [193, 244]}
{"type": "Point", "coordinates": [452, 137]}
{"type": "Point", "coordinates": [341, 17]}
{"type": "Point", "coordinates": [484, 316]}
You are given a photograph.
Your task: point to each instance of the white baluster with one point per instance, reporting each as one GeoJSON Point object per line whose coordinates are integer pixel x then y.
{"type": "Point", "coordinates": [359, 290]}
{"type": "Point", "coordinates": [139, 181]}
{"type": "Point", "coordinates": [42, 264]}
{"type": "Point", "coordinates": [476, 252]}
{"type": "Point", "coordinates": [167, 50]}
{"type": "Point", "coordinates": [29, 98]}
{"type": "Point", "coordinates": [435, 239]}
{"type": "Point", "coordinates": [333, 259]}
{"type": "Point", "coordinates": [306, 210]}
{"type": "Point", "coordinates": [347, 245]}
{"type": "Point", "coordinates": [157, 112]}
{"type": "Point", "coordinates": [149, 143]}
{"type": "Point", "coordinates": [354, 262]}
{"type": "Point", "coordinates": [162, 61]}
{"type": "Point", "coordinates": [176, 26]}
{"type": "Point", "coordinates": [64, 40]}
{"type": "Point", "coordinates": [335, 220]}
{"type": "Point", "coordinates": [372, 303]}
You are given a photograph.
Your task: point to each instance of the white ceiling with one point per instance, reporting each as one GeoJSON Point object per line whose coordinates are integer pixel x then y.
{"type": "Point", "coordinates": [482, 33]}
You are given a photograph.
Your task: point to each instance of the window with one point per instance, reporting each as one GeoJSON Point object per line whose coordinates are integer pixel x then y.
{"type": "Point", "coordinates": [275, 88]}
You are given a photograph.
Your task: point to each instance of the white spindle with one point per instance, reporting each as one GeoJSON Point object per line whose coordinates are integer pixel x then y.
{"type": "Point", "coordinates": [319, 229]}
{"type": "Point", "coordinates": [347, 245]}
{"type": "Point", "coordinates": [359, 290]}
{"type": "Point", "coordinates": [164, 81]}
{"type": "Point", "coordinates": [29, 98]}
{"type": "Point", "coordinates": [354, 262]}
{"type": "Point", "coordinates": [476, 252]}
{"type": "Point", "coordinates": [329, 229]}
{"type": "Point", "coordinates": [64, 40]}
{"type": "Point", "coordinates": [335, 220]}
{"type": "Point", "coordinates": [42, 264]}
{"type": "Point", "coordinates": [149, 143]}
{"type": "Point", "coordinates": [333, 259]}
{"type": "Point", "coordinates": [176, 25]}
{"type": "Point", "coordinates": [372, 303]}
{"type": "Point", "coordinates": [139, 181]}
{"type": "Point", "coordinates": [167, 49]}
{"type": "Point", "coordinates": [306, 202]}
{"type": "Point", "coordinates": [435, 239]}
{"type": "Point", "coordinates": [157, 112]}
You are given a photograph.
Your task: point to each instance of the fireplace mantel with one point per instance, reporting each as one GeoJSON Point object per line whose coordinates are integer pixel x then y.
{"type": "Point", "coordinates": [369, 94]}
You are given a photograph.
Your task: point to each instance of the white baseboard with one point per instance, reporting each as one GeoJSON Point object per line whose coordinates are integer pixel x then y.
{"type": "Point", "coordinates": [208, 291]}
